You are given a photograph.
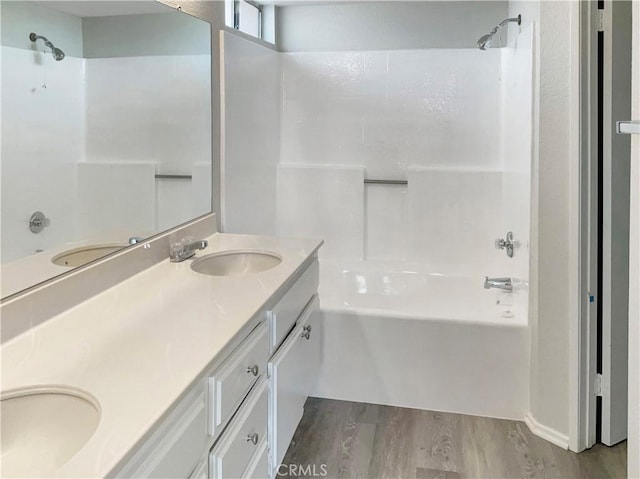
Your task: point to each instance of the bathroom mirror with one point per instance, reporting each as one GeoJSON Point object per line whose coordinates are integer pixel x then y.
{"type": "Point", "coordinates": [106, 130]}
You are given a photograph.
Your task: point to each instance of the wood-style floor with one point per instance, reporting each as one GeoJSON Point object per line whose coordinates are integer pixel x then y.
{"type": "Point", "coordinates": [356, 440]}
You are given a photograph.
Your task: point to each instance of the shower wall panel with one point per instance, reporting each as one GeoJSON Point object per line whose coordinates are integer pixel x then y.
{"type": "Point", "coordinates": [134, 107]}
{"type": "Point", "coordinates": [386, 110]}
{"type": "Point", "coordinates": [42, 139]}
{"type": "Point", "coordinates": [251, 111]}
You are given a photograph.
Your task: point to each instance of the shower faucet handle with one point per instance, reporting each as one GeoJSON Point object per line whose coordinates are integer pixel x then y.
{"type": "Point", "coordinates": [38, 222]}
{"type": "Point", "coordinates": [507, 243]}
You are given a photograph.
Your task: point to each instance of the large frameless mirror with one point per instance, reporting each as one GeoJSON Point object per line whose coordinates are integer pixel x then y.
{"type": "Point", "coordinates": [106, 130]}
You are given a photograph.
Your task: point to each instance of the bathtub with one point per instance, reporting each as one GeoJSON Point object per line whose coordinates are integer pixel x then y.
{"type": "Point", "coordinates": [396, 334]}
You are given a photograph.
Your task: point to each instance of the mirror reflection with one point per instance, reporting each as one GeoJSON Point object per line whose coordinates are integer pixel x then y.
{"type": "Point", "coordinates": [106, 130]}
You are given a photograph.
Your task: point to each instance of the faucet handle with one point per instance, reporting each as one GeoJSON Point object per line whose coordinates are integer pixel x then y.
{"type": "Point", "coordinates": [507, 243]}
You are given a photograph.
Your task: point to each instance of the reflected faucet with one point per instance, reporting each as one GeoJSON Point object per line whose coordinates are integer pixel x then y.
{"type": "Point", "coordinates": [185, 249]}
{"type": "Point", "coordinates": [498, 283]}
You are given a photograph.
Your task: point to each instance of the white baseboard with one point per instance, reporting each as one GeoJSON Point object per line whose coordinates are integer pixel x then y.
{"type": "Point", "coordinates": [546, 433]}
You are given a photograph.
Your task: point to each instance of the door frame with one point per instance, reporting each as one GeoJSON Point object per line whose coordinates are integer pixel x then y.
{"type": "Point", "coordinates": [583, 369]}
{"type": "Point", "coordinates": [583, 210]}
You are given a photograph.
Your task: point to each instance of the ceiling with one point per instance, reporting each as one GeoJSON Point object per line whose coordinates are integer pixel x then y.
{"type": "Point", "coordinates": [99, 8]}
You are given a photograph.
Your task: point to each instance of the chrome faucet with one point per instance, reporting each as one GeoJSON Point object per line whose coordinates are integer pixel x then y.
{"type": "Point", "coordinates": [185, 249]}
{"type": "Point", "coordinates": [507, 244]}
{"type": "Point", "coordinates": [135, 240]}
{"type": "Point", "coordinates": [498, 283]}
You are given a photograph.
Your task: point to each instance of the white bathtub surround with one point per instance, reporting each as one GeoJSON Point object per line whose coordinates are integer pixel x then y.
{"type": "Point", "coordinates": [389, 109]}
{"type": "Point", "coordinates": [84, 116]}
{"type": "Point", "coordinates": [167, 91]}
{"type": "Point", "coordinates": [138, 346]}
{"type": "Point", "coordinates": [40, 150]}
{"type": "Point", "coordinates": [251, 104]}
{"type": "Point", "coordinates": [386, 221]}
{"type": "Point", "coordinates": [454, 217]}
{"type": "Point", "coordinates": [517, 144]}
{"type": "Point", "coordinates": [325, 202]}
{"type": "Point", "coordinates": [107, 192]}
{"type": "Point", "coordinates": [201, 188]}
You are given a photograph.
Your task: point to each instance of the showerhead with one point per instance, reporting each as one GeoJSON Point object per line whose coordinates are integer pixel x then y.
{"type": "Point", "coordinates": [58, 54]}
{"type": "Point", "coordinates": [485, 41]}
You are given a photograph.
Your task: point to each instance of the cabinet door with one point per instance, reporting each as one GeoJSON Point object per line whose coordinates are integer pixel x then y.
{"type": "Point", "coordinates": [293, 372]}
{"type": "Point", "coordinates": [174, 449]}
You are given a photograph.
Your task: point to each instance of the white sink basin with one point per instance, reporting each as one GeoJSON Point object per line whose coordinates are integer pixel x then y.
{"type": "Point", "coordinates": [42, 428]}
{"type": "Point", "coordinates": [80, 256]}
{"type": "Point", "coordinates": [236, 263]}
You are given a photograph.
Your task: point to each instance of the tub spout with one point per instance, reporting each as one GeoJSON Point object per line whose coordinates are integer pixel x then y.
{"type": "Point", "coordinates": [498, 283]}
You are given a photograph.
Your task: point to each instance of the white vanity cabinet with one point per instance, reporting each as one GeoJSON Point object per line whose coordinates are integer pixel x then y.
{"type": "Point", "coordinates": [231, 382]}
{"type": "Point", "coordinates": [292, 374]}
{"type": "Point", "coordinates": [243, 439]}
{"type": "Point", "coordinates": [238, 420]}
{"type": "Point", "coordinates": [175, 447]}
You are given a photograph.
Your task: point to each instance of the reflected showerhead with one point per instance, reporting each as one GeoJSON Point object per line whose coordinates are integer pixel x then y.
{"type": "Point", "coordinates": [58, 54]}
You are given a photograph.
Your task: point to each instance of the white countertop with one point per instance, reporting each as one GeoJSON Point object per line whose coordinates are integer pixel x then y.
{"type": "Point", "coordinates": [139, 345]}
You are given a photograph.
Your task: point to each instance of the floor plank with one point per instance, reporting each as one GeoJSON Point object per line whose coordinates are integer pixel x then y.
{"type": "Point", "coordinates": [358, 440]}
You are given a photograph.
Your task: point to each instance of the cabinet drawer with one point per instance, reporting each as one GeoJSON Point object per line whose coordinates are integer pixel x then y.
{"type": "Point", "coordinates": [242, 440]}
{"type": "Point", "coordinates": [231, 383]}
{"type": "Point", "coordinates": [293, 372]}
{"type": "Point", "coordinates": [287, 310]}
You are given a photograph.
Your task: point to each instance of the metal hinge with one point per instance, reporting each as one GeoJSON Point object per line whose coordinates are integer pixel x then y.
{"type": "Point", "coordinates": [598, 384]}
{"type": "Point", "coordinates": [600, 20]}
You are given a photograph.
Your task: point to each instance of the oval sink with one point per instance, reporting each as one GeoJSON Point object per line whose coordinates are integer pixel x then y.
{"type": "Point", "coordinates": [81, 256]}
{"type": "Point", "coordinates": [236, 263]}
{"type": "Point", "coordinates": [42, 428]}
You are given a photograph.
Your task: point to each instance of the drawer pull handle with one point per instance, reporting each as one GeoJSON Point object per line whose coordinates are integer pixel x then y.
{"type": "Point", "coordinates": [253, 370]}
{"type": "Point", "coordinates": [306, 335]}
{"type": "Point", "coordinates": [253, 438]}
{"type": "Point", "coordinates": [307, 328]}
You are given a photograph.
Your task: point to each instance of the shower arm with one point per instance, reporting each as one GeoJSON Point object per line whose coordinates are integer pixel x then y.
{"type": "Point", "coordinates": [34, 38]}
{"type": "Point", "coordinates": [56, 52]}
{"type": "Point", "coordinates": [517, 20]}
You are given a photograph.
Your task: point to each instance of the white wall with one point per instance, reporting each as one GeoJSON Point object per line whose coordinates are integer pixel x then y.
{"type": "Point", "coordinates": [390, 25]}
{"type": "Point", "coordinates": [251, 108]}
{"type": "Point", "coordinates": [551, 246]}
{"type": "Point", "coordinates": [20, 18]}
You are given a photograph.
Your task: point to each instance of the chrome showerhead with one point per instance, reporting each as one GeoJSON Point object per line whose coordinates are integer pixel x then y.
{"type": "Point", "coordinates": [58, 54]}
{"type": "Point", "coordinates": [485, 41]}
